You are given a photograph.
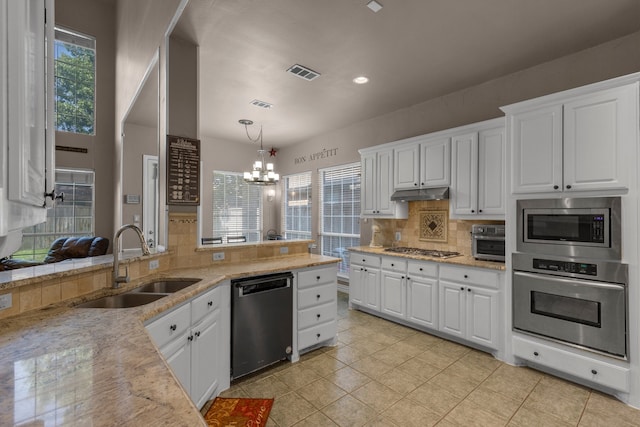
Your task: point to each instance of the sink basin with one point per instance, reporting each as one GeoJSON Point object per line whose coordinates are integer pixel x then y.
{"type": "Point", "coordinates": [122, 301]}
{"type": "Point", "coordinates": [165, 286]}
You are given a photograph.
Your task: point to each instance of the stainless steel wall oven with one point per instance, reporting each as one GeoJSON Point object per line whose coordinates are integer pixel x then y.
{"type": "Point", "coordinates": [581, 303]}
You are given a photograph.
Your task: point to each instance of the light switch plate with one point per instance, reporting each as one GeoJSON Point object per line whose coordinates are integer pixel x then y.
{"type": "Point", "coordinates": [284, 250]}
{"type": "Point", "coordinates": [218, 256]}
{"type": "Point", "coordinates": [5, 301]}
{"type": "Point", "coordinates": [153, 264]}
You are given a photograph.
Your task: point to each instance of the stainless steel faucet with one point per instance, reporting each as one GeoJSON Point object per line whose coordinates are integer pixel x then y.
{"type": "Point", "coordinates": [117, 278]}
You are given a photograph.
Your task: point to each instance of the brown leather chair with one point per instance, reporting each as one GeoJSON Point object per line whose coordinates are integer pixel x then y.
{"type": "Point", "coordinates": [61, 249]}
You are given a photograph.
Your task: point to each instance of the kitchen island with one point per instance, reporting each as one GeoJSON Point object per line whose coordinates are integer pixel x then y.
{"type": "Point", "coordinates": [86, 366]}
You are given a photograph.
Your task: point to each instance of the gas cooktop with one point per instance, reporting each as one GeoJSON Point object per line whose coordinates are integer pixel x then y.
{"type": "Point", "coordinates": [424, 252]}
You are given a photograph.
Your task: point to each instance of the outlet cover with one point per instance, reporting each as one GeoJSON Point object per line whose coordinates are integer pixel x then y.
{"type": "Point", "coordinates": [5, 301]}
{"type": "Point", "coordinates": [153, 264]}
{"type": "Point", "coordinates": [284, 250]}
{"type": "Point", "coordinates": [218, 256]}
{"type": "Point", "coordinates": [398, 236]}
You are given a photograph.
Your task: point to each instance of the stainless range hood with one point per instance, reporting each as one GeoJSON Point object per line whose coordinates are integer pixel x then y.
{"type": "Point", "coordinates": [437, 193]}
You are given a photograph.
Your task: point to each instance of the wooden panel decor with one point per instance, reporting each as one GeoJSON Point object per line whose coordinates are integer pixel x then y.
{"type": "Point", "coordinates": [183, 171]}
{"type": "Point", "coordinates": [434, 225]}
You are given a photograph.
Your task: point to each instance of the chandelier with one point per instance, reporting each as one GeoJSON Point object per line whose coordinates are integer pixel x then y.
{"type": "Point", "coordinates": [261, 173]}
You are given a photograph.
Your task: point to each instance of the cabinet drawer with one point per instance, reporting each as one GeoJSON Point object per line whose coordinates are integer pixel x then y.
{"type": "Point", "coordinates": [471, 276]}
{"type": "Point", "coordinates": [316, 315]}
{"type": "Point", "coordinates": [171, 325]}
{"type": "Point", "coordinates": [316, 295]}
{"type": "Point", "coordinates": [586, 368]}
{"type": "Point", "coordinates": [428, 269]}
{"type": "Point", "coordinates": [317, 276]}
{"type": "Point", "coordinates": [316, 334]}
{"type": "Point", "coordinates": [204, 304]}
{"type": "Point", "coordinates": [362, 259]}
{"type": "Point", "coordinates": [394, 264]}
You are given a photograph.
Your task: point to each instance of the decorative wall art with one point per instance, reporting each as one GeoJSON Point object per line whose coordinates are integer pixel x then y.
{"type": "Point", "coordinates": [434, 225]}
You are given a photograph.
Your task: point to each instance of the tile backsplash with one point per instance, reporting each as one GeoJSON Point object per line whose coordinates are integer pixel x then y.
{"type": "Point", "coordinates": [458, 231]}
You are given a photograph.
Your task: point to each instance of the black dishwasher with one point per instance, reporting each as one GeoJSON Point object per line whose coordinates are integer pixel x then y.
{"type": "Point", "coordinates": [261, 321]}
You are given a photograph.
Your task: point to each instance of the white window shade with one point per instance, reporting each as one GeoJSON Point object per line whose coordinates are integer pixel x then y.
{"type": "Point", "coordinates": [296, 206]}
{"type": "Point", "coordinates": [237, 207]}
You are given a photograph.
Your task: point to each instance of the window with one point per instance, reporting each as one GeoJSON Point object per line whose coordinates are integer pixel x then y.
{"type": "Point", "coordinates": [75, 70]}
{"type": "Point", "coordinates": [72, 217]}
{"type": "Point", "coordinates": [237, 207]}
{"type": "Point", "coordinates": [340, 212]}
{"type": "Point", "coordinates": [296, 209]}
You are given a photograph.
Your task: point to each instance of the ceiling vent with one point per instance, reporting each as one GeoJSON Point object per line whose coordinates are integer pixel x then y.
{"type": "Point", "coordinates": [303, 72]}
{"type": "Point", "coordinates": [261, 104]}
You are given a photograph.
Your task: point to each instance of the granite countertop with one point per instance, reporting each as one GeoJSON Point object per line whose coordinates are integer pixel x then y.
{"type": "Point", "coordinates": [85, 366]}
{"type": "Point", "coordinates": [463, 260]}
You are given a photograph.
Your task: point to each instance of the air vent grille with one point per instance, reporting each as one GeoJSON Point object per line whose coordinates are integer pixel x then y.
{"type": "Point", "coordinates": [261, 104]}
{"type": "Point", "coordinates": [303, 72]}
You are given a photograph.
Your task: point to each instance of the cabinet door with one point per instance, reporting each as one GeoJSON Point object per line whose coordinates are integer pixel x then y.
{"type": "Point", "coordinates": [371, 286]}
{"type": "Point", "coordinates": [204, 363]}
{"type": "Point", "coordinates": [482, 316]}
{"type": "Point", "coordinates": [393, 294]}
{"type": "Point", "coordinates": [385, 183]}
{"type": "Point", "coordinates": [369, 183]}
{"type": "Point", "coordinates": [465, 175]}
{"type": "Point", "coordinates": [536, 162]}
{"type": "Point", "coordinates": [178, 357]}
{"type": "Point", "coordinates": [597, 128]}
{"type": "Point", "coordinates": [26, 106]}
{"type": "Point", "coordinates": [422, 301]}
{"type": "Point", "coordinates": [406, 170]}
{"type": "Point", "coordinates": [356, 284]}
{"type": "Point", "coordinates": [435, 163]}
{"type": "Point", "coordinates": [452, 308]}
{"type": "Point", "coordinates": [491, 179]}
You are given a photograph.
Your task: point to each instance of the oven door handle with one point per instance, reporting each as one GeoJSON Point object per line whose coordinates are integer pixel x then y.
{"type": "Point", "coordinates": [499, 238]}
{"type": "Point", "coordinates": [569, 280]}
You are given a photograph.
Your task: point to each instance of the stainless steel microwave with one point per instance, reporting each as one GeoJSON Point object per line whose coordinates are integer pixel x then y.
{"type": "Point", "coordinates": [587, 227]}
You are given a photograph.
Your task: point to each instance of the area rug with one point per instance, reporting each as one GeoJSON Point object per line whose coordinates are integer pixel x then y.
{"type": "Point", "coordinates": [238, 412]}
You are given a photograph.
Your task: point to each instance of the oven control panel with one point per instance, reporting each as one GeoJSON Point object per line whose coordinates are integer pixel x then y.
{"type": "Point", "coordinates": [565, 266]}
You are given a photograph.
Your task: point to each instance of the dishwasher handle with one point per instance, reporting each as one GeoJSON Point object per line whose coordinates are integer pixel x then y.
{"type": "Point", "coordinates": [259, 284]}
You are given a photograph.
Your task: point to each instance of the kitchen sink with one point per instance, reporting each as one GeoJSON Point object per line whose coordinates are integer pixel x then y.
{"type": "Point", "coordinates": [167, 286]}
{"type": "Point", "coordinates": [125, 300]}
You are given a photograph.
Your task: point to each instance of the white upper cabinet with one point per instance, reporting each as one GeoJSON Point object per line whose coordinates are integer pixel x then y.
{"type": "Point", "coordinates": [579, 143]}
{"type": "Point", "coordinates": [26, 36]}
{"type": "Point", "coordinates": [478, 172]}
{"type": "Point", "coordinates": [377, 186]}
{"type": "Point", "coordinates": [422, 163]}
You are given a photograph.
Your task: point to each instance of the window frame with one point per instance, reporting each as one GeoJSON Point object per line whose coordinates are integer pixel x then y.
{"type": "Point", "coordinates": [297, 233]}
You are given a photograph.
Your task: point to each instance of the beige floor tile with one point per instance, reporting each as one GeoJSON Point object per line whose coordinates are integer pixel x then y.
{"type": "Point", "coordinates": [407, 413]}
{"type": "Point", "coordinates": [450, 349]}
{"type": "Point", "coordinates": [434, 398]}
{"type": "Point", "coordinates": [346, 354]}
{"type": "Point", "coordinates": [602, 407]}
{"type": "Point", "coordinates": [297, 376]}
{"type": "Point", "coordinates": [476, 375]}
{"type": "Point", "coordinates": [420, 369]}
{"type": "Point", "coordinates": [512, 383]}
{"type": "Point", "coordinates": [381, 421]}
{"type": "Point", "coordinates": [527, 418]}
{"type": "Point", "coordinates": [479, 360]}
{"type": "Point", "coordinates": [454, 384]}
{"type": "Point", "coordinates": [549, 384]}
{"type": "Point", "coordinates": [367, 346]}
{"type": "Point", "coordinates": [384, 339]}
{"type": "Point", "coordinates": [422, 342]}
{"type": "Point", "coordinates": [498, 404]}
{"type": "Point", "coordinates": [317, 419]}
{"type": "Point", "coordinates": [268, 387]}
{"type": "Point", "coordinates": [323, 364]}
{"type": "Point", "coordinates": [392, 357]}
{"type": "Point", "coordinates": [371, 366]}
{"type": "Point", "coordinates": [348, 379]}
{"type": "Point", "coordinates": [468, 413]}
{"type": "Point", "coordinates": [567, 407]}
{"type": "Point", "coordinates": [290, 408]}
{"type": "Point", "coordinates": [236, 391]}
{"type": "Point", "coordinates": [400, 381]}
{"type": "Point", "coordinates": [376, 395]}
{"type": "Point", "coordinates": [349, 412]}
{"type": "Point", "coordinates": [320, 393]}
{"type": "Point", "coordinates": [436, 359]}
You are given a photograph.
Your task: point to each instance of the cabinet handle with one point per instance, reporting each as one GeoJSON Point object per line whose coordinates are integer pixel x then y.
{"type": "Point", "coordinates": [468, 289]}
{"type": "Point", "coordinates": [420, 268]}
{"type": "Point", "coordinates": [568, 187]}
{"type": "Point", "coordinates": [479, 210]}
{"type": "Point", "coordinates": [210, 303]}
{"type": "Point", "coordinates": [536, 354]}
{"type": "Point", "coordinates": [415, 184]}
{"type": "Point", "coordinates": [318, 296]}
{"type": "Point", "coordinates": [317, 277]}
{"type": "Point", "coordinates": [190, 338]}
{"type": "Point", "coordinates": [392, 265]}
{"type": "Point", "coordinates": [594, 372]}
{"type": "Point", "coordinates": [402, 277]}
{"type": "Point", "coordinates": [318, 335]}
{"type": "Point", "coordinates": [555, 187]}
{"type": "Point", "coordinates": [466, 277]}
{"type": "Point", "coordinates": [318, 315]}
{"type": "Point", "coordinates": [173, 327]}
{"type": "Point", "coordinates": [462, 288]}
{"type": "Point", "coordinates": [422, 183]}
{"type": "Point", "coordinates": [197, 334]}
{"type": "Point", "coordinates": [473, 211]}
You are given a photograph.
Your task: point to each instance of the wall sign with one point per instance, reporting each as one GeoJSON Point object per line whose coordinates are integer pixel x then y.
{"type": "Point", "coordinates": [183, 171]}
{"type": "Point", "coordinates": [316, 156]}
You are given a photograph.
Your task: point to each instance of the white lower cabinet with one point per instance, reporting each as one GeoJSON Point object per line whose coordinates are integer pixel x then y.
{"type": "Point", "coordinates": [195, 343]}
{"type": "Point", "coordinates": [364, 281]}
{"type": "Point", "coordinates": [469, 304]}
{"type": "Point", "coordinates": [422, 293]}
{"type": "Point", "coordinates": [317, 306]}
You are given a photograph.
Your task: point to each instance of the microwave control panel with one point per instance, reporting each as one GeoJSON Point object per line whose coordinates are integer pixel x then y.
{"type": "Point", "coordinates": [565, 266]}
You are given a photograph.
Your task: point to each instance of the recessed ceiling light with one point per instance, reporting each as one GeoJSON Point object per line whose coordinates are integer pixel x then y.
{"type": "Point", "coordinates": [374, 6]}
{"type": "Point", "coordinates": [360, 80]}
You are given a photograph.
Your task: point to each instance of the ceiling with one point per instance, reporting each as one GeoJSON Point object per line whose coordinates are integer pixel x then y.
{"type": "Point", "coordinates": [411, 50]}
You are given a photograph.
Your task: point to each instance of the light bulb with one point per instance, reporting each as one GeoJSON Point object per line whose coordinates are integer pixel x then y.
{"type": "Point", "coordinates": [269, 166]}
{"type": "Point", "coordinates": [247, 175]}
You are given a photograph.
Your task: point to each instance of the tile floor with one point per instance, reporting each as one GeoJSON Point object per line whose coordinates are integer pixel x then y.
{"type": "Point", "coordinates": [384, 374]}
